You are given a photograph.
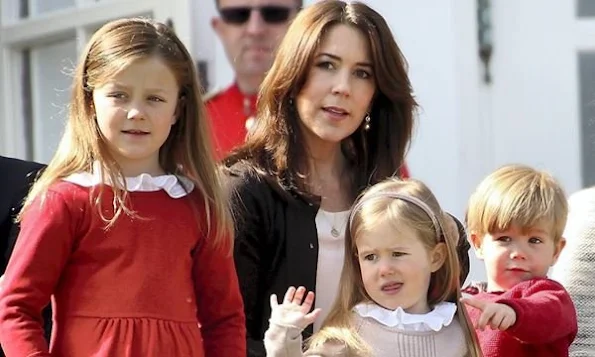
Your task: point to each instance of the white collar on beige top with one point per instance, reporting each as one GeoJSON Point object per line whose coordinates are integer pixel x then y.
{"type": "Point", "coordinates": [442, 315]}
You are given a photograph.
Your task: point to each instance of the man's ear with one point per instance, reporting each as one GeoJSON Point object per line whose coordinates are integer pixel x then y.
{"type": "Point", "coordinates": [438, 256]}
{"type": "Point", "coordinates": [475, 240]}
{"type": "Point", "coordinates": [216, 24]}
{"type": "Point", "coordinates": [558, 249]}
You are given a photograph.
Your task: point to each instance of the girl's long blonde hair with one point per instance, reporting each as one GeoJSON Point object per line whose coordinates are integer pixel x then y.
{"type": "Point", "coordinates": [372, 208]}
{"type": "Point", "coordinates": [186, 152]}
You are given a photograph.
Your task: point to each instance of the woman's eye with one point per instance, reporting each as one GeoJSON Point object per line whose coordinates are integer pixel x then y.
{"type": "Point", "coordinates": [360, 73]}
{"type": "Point", "coordinates": [325, 65]}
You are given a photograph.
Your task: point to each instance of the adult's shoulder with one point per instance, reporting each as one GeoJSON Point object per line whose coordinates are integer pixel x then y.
{"type": "Point", "coordinates": [244, 176]}
{"type": "Point", "coordinates": [580, 226]}
{"type": "Point", "coordinates": [18, 168]}
{"type": "Point", "coordinates": [19, 164]}
{"type": "Point", "coordinates": [583, 198]}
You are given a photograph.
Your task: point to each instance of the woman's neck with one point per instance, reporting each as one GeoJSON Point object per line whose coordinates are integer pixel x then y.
{"type": "Point", "coordinates": [329, 178]}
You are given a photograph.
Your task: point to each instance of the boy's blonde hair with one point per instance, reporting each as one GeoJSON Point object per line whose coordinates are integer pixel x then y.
{"type": "Point", "coordinates": [517, 195]}
{"type": "Point", "coordinates": [187, 150]}
{"type": "Point", "coordinates": [374, 207]}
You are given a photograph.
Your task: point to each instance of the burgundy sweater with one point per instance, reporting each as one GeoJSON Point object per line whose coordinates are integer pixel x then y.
{"type": "Point", "coordinates": [545, 323]}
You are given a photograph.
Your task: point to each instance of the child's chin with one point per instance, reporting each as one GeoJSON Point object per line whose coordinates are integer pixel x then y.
{"type": "Point", "coordinates": [514, 282]}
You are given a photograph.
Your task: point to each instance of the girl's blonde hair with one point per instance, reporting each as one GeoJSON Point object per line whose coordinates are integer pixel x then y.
{"type": "Point", "coordinates": [187, 151]}
{"type": "Point", "coordinates": [381, 204]}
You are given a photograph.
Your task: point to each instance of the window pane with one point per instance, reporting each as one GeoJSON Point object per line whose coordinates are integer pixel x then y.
{"type": "Point", "coordinates": [587, 93]}
{"type": "Point", "coordinates": [585, 8]}
{"type": "Point", "coordinates": [43, 6]}
{"type": "Point", "coordinates": [12, 10]}
{"type": "Point", "coordinates": [51, 68]}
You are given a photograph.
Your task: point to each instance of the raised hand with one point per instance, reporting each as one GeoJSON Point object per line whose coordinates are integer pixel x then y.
{"type": "Point", "coordinates": [497, 316]}
{"type": "Point", "coordinates": [294, 311]}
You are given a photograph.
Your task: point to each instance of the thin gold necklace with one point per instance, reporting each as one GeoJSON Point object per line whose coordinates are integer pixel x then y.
{"type": "Point", "coordinates": [334, 231]}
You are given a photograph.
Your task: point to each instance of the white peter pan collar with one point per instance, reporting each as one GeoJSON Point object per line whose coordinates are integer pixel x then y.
{"type": "Point", "coordinates": [174, 186]}
{"type": "Point", "coordinates": [442, 315]}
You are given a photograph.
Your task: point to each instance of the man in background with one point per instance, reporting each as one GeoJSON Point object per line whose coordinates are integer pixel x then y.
{"type": "Point", "coordinates": [250, 31]}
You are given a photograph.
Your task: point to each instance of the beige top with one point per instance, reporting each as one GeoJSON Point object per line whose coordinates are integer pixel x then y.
{"type": "Point", "coordinates": [331, 251]}
{"type": "Point", "coordinates": [286, 341]}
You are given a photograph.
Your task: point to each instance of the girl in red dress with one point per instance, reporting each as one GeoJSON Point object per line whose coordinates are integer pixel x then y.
{"type": "Point", "coordinates": [127, 230]}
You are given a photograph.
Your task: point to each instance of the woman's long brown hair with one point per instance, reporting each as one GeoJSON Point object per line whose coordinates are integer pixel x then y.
{"type": "Point", "coordinates": [276, 145]}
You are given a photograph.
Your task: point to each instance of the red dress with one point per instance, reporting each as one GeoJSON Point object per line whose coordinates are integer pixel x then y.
{"type": "Point", "coordinates": [151, 285]}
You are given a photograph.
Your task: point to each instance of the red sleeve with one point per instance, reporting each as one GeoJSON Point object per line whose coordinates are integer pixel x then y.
{"type": "Point", "coordinates": [545, 312]}
{"type": "Point", "coordinates": [42, 249]}
{"type": "Point", "coordinates": [220, 307]}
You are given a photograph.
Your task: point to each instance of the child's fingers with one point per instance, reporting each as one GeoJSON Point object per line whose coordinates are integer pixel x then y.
{"type": "Point", "coordinates": [274, 301]}
{"type": "Point", "coordinates": [311, 317]}
{"type": "Point", "coordinates": [496, 322]}
{"type": "Point", "coordinates": [507, 322]}
{"type": "Point", "coordinates": [484, 319]}
{"type": "Point", "coordinates": [476, 303]}
{"type": "Point", "coordinates": [308, 301]}
{"type": "Point", "coordinates": [289, 295]}
{"type": "Point", "coordinates": [299, 295]}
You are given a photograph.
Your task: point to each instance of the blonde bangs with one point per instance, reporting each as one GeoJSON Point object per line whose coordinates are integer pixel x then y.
{"type": "Point", "coordinates": [520, 196]}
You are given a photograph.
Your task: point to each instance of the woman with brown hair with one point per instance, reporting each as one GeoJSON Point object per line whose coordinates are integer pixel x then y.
{"type": "Point", "coordinates": [335, 115]}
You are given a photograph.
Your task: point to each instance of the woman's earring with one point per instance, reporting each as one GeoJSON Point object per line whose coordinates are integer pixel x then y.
{"type": "Point", "coordinates": [367, 120]}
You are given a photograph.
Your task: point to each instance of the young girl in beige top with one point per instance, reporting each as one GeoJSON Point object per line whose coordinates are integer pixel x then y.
{"type": "Point", "coordinates": [399, 291]}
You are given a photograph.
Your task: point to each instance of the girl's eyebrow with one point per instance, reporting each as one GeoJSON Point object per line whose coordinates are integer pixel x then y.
{"type": "Point", "coordinates": [399, 247]}
{"type": "Point", "coordinates": [117, 85]}
{"type": "Point", "coordinates": [367, 250]}
{"type": "Point", "coordinates": [371, 250]}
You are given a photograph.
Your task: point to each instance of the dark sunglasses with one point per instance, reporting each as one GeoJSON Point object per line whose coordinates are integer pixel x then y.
{"type": "Point", "coordinates": [271, 14]}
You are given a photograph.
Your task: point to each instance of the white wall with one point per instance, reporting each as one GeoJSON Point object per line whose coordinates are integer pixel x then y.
{"type": "Point", "coordinates": [208, 45]}
{"type": "Point", "coordinates": [535, 112]}
{"type": "Point", "coordinates": [439, 41]}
